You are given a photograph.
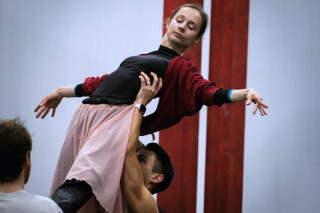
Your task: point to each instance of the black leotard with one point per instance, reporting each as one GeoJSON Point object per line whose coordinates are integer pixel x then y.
{"type": "Point", "coordinates": [122, 86]}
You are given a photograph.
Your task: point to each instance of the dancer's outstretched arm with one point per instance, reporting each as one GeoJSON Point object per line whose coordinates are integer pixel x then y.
{"type": "Point", "coordinates": [52, 100]}
{"type": "Point", "coordinates": [249, 95]}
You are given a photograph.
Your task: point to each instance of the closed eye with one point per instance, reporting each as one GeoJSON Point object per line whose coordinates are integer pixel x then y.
{"type": "Point", "coordinates": [191, 26]}
{"type": "Point", "coordinates": [180, 19]}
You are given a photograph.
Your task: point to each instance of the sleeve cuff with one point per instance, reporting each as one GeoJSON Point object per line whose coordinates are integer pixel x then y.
{"type": "Point", "coordinates": [222, 96]}
{"type": "Point", "coordinates": [229, 94]}
{"type": "Point", "coordinates": [78, 90]}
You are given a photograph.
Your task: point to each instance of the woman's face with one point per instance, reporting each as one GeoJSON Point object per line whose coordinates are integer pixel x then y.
{"type": "Point", "coordinates": [183, 29]}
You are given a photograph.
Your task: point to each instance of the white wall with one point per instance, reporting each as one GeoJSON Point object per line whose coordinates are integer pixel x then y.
{"type": "Point", "coordinates": [282, 150]}
{"type": "Point", "coordinates": [47, 44]}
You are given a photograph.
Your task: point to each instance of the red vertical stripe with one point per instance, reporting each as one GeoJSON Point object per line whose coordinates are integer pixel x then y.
{"type": "Point", "coordinates": [181, 142]}
{"type": "Point", "coordinates": [225, 127]}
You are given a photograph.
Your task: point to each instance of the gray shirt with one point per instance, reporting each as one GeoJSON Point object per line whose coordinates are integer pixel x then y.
{"type": "Point", "coordinates": [23, 201]}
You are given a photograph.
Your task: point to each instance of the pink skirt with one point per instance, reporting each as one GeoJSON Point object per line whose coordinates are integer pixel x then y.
{"type": "Point", "coordinates": [94, 151]}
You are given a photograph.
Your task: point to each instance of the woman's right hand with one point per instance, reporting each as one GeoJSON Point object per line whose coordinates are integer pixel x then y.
{"type": "Point", "coordinates": [51, 101]}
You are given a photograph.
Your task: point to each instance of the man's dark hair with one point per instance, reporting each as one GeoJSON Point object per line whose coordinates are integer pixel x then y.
{"type": "Point", "coordinates": [140, 146]}
{"type": "Point", "coordinates": [15, 142]}
{"type": "Point", "coordinates": [162, 165]}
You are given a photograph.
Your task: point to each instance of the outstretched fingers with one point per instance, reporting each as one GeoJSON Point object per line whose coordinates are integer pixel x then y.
{"type": "Point", "coordinates": [46, 112]}
{"type": "Point", "coordinates": [254, 97]}
{"type": "Point", "coordinates": [262, 111]}
{"type": "Point", "coordinates": [42, 109]}
{"type": "Point", "coordinates": [255, 108]}
{"type": "Point", "coordinates": [37, 108]}
{"type": "Point", "coordinates": [260, 101]}
{"type": "Point", "coordinates": [53, 112]}
{"type": "Point", "coordinates": [261, 108]}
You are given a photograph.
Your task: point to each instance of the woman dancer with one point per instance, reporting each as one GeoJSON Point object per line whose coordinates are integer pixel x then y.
{"type": "Point", "coordinates": [184, 92]}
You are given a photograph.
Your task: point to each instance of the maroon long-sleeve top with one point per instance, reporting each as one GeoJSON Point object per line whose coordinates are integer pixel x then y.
{"type": "Point", "coordinates": [184, 92]}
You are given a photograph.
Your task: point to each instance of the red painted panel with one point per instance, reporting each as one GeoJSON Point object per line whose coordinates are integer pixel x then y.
{"type": "Point", "coordinates": [181, 142]}
{"type": "Point", "coordinates": [225, 127]}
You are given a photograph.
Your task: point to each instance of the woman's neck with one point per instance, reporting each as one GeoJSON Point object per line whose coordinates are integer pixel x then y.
{"type": "Point", "coordinates": [165, 42]}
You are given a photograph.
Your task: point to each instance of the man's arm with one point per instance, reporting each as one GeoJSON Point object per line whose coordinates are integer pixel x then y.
{"type": "Point", "coordinates": [138, 197]}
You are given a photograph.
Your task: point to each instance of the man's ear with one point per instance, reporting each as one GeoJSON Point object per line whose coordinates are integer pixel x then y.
{"type": "Point", "coordinates": [157, 178]}
{"type": "Point", "coordinates": [28, 161]}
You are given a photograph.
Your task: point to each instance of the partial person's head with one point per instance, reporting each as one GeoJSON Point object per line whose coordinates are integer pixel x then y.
{"type": "Point", "coordinates": [156, 167]}
{"type": "Point", "coordinates": [15, 147]}
{"type": "Point", "coordinates": [140, 146]}
{"type": "Point", "coordinates": [186, 25]}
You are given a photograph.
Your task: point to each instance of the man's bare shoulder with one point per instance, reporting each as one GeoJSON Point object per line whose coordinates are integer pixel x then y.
{"type": "Point", "coordinates": [145, 205]}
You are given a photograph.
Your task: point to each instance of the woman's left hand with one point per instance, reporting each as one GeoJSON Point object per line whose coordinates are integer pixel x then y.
{"type": "Point", "coordinates": [254, 97]}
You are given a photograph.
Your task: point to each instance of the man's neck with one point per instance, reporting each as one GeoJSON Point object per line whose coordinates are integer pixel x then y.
{"type": "Point", "coordinates": [12, 186]}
